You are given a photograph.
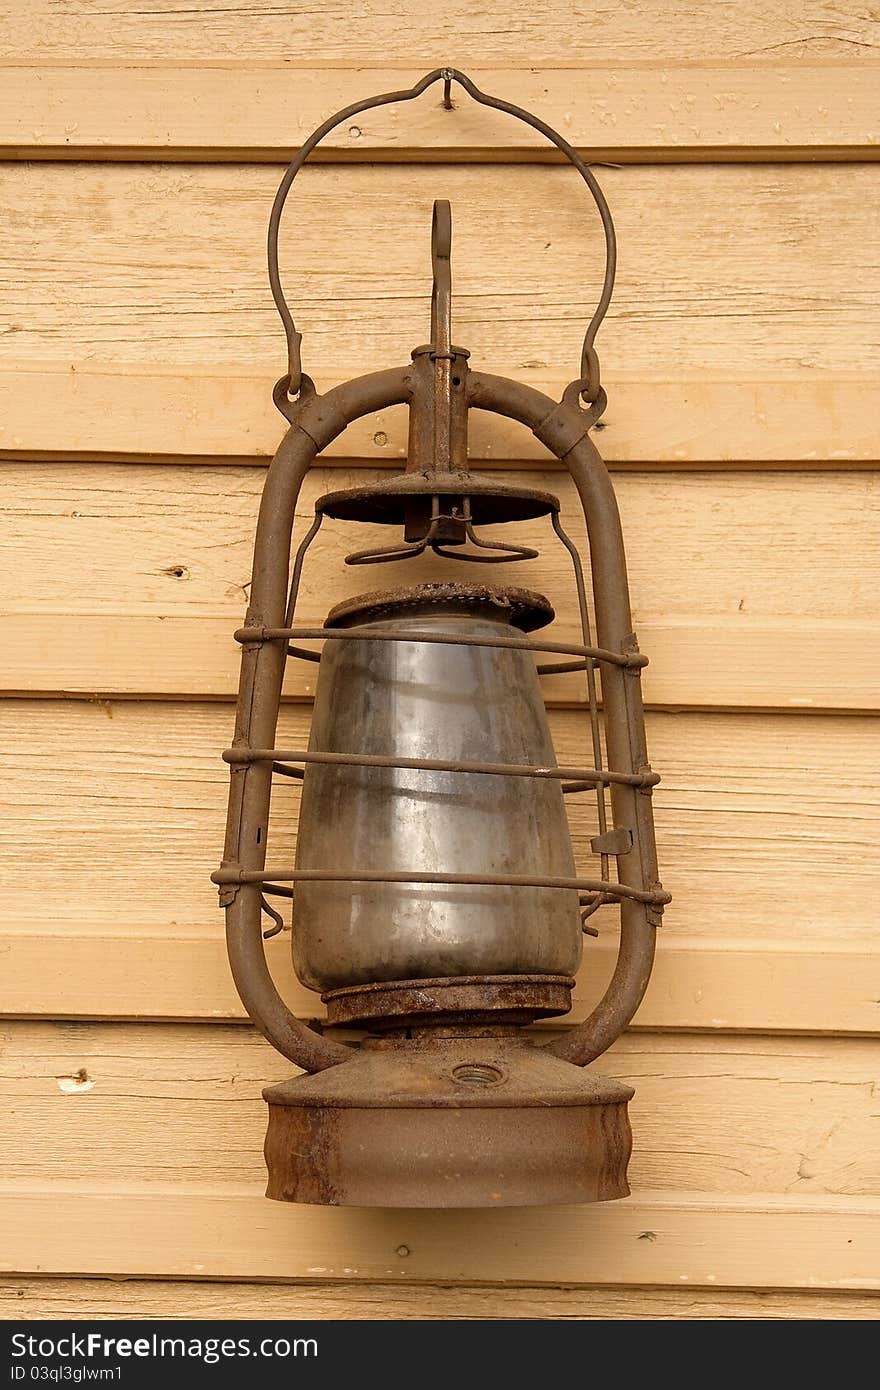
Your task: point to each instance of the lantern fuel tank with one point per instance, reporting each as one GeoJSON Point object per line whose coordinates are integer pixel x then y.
{"type": "Point", "coordinates": [413, 699]}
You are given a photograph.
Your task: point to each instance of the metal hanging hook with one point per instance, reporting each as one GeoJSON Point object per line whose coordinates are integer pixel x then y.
{"type": "Point", "coordinates": [588, 385]}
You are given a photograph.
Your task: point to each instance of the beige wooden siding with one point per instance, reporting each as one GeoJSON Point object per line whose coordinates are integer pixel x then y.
{"type": "Point", "coordinates": [138, 346]}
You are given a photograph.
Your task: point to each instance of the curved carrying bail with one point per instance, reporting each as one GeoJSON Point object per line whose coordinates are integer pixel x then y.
{"type": "Point", "coordinates": [587, 387]}
{"type": "Point", "coordinates": [563, 428]}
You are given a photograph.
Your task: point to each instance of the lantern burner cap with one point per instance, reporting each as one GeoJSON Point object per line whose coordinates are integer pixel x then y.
{"type": "Point", "coordinates": [457, 1000]}
{"type": "Point", "coordinates": [522, 608]}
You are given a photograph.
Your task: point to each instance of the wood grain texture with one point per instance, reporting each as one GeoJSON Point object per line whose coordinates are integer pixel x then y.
{"type": "Point", "coordinates": [165, 264]}
{"type": "Point", "coordinates": [646, 113]}
{"type": "Point", "coordinates": [235, 31]}
{"type": "Point", "coordinates": [193, 1230]}
{"type": "Point", "coordinates": [113, 411]}
{"type": "Point", "coordinates": [169, 558]}
{"type": "Point", "coordinates": [38, 1299]}
{"type": "Point", "coordinates": [767, 824]}
{"type": "Point", "coordinates": [725, 1115]}
{"type": "Point", "coordinates": [166, 540]}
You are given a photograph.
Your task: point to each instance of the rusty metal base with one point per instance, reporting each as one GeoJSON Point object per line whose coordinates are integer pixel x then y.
{"type": "Point", "coordinates": [471, 999]}
{"type": "Point", "coordinates": [454, 1122]}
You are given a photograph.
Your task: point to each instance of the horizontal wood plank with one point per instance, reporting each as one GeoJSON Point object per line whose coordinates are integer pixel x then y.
{"type": "Point", "coordinates": [179, 540]}
{"type": "Point", "coordinates": [767, 834]}
{"type": "Point", "coordinates": [119, 412]}
{"type": "Point", "coordinates": [778, 1174]}
{"type": "Point", "coordinates": [769, 1244]}
{"type": "Point", "coordinates": [154, 609]}
{"type": "Point", "coordinates": [738, 665]}
{"type": "Point", "coordinates": [35, 1299]}
{"type": "Point", "coordinates": [165, 264]}
{"type": "Point", "coordinates": [767, 825]}
{"type": "Point", "coordinates": [654, 112]}
{"type": "Point", "coordinates": [700, 985]}
{"type": "Point", "coordinates": [723, 1114]}
{"type": "Point", "coordinates": [234, 32]}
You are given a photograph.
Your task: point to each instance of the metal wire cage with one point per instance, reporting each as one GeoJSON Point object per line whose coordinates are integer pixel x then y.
{"type": "Point", "coordinates": [442, 507]}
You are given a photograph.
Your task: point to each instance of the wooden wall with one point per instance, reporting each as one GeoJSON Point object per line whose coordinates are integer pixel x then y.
{"type": "Point", "coordinates": [138, 346]}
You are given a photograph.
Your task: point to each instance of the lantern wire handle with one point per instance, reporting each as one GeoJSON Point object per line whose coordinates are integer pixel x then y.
{"type": "Point", "coordinates": [588, 385]}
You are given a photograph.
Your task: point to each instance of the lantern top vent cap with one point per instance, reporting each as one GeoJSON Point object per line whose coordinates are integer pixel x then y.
{"type": "Point", "coordinates": [520, 607]}
{"type": "Point", "coordinates": [387, 500]}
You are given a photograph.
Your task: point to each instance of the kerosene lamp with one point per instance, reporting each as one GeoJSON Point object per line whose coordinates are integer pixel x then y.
{"type": "Point", "coordinates": [436, 906]}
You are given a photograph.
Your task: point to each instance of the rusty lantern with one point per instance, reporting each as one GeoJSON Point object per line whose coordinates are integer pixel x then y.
{"type": "Point", "coordinates": [436, 904]}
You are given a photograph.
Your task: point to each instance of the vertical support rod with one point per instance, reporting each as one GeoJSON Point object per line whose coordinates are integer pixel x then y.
{"type": "Point", "coordinates": [441, 333]}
